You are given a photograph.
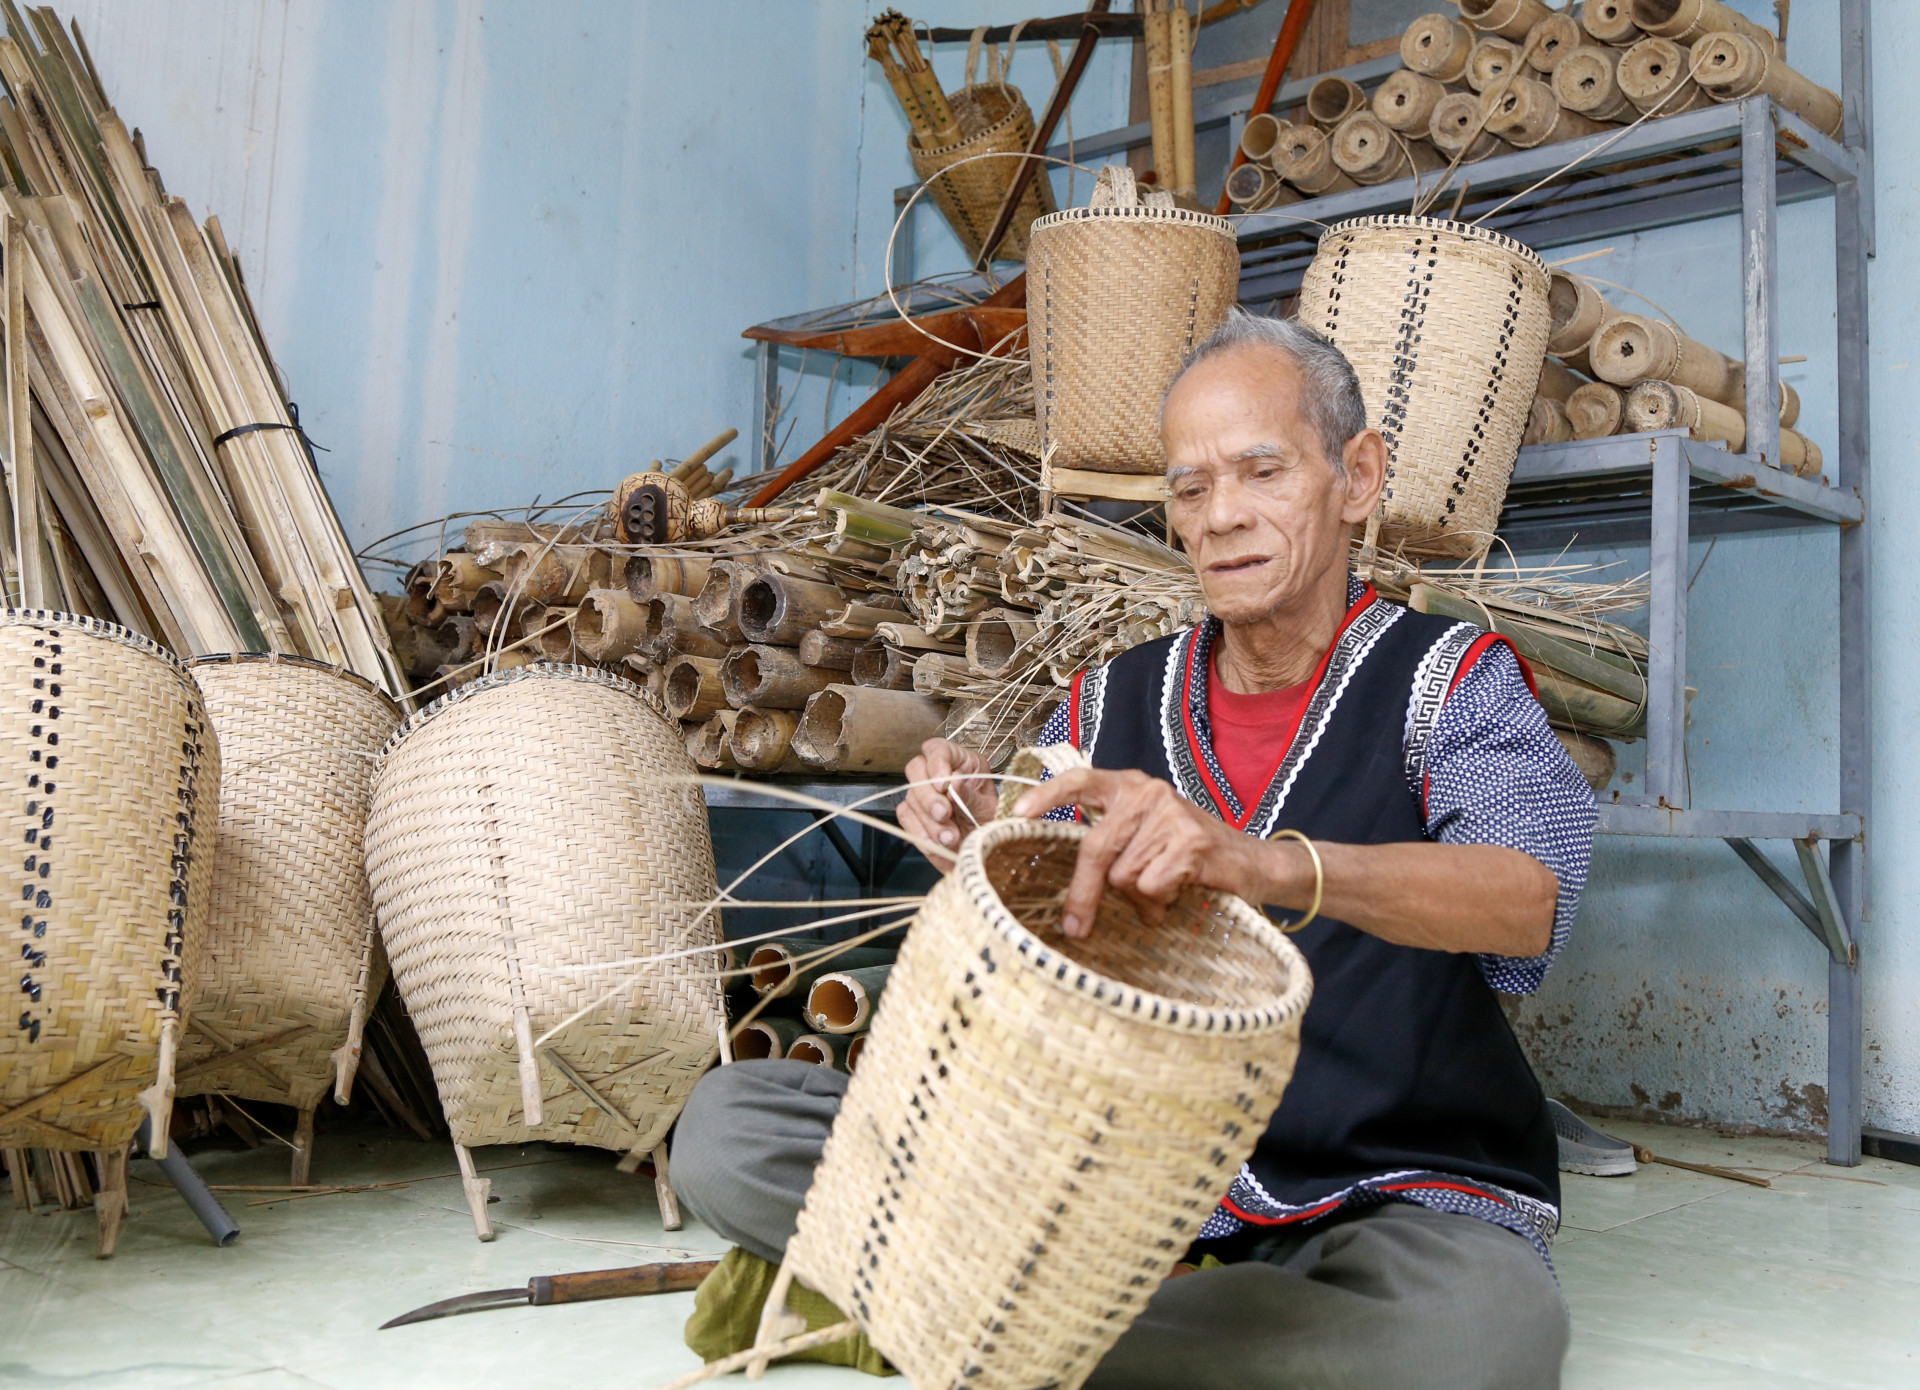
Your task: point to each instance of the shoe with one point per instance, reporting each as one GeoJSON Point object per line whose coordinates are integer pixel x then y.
{"type": "Point", "coordinates": [1584, 1149]}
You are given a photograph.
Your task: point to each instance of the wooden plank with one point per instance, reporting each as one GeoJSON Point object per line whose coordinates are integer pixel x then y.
{"type": "Point", "coordinates": [1083, 483]}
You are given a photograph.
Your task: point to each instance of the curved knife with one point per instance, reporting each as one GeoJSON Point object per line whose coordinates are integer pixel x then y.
{"type": "Point", "coordinates": [672, 1276]}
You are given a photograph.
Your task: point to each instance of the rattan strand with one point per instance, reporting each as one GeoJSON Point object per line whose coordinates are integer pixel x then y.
{"type": "Point", "coordinates": [116, 782]}
{"type": "Point", "coordinates": [1039, 1126]}
{"type": "Point", "coordinates": [1447, 326]}
{"type": "Point", "coordinates": [290, 941]}
{"type": "Point", "coordinates": [970, 195]}
{"type": "Point", "coordinates": [565, 793]}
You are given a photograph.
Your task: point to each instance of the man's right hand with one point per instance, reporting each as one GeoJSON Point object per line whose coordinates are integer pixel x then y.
{"type": "Point", "coordinates": [940, 775]}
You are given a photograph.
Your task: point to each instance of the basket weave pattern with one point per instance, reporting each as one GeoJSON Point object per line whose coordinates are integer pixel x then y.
{"type": "Point", "coordinates": [290, 941]}
{"type": "Point", "coordinates": [1034, 1137]}
{"type": "Point", "coordinates": [970, 196]}
{"type": "Point", "coordinates": [1122, 292]}
{"type": "Point", "coordinates": [538, 819]}
{"type": "Point", "coordinates": [1446, 326]}
{"type": "Point", "coordinates": [115, 784]}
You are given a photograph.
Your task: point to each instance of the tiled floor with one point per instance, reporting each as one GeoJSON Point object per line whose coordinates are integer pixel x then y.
{"type": "Point", "coordinates": [1675, 1278]}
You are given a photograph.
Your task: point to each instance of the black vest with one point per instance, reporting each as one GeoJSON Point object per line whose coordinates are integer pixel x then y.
{"type": "Point", "coordinates": [1407, 1064]}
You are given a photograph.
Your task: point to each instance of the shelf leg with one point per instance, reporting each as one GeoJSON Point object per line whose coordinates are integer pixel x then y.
{"type": "Point", "coordinates": [1667, 629]}
{"type": "Point", "coordinates": [1759, 244]}
{"type": "Point", "coordinates": [766, 401]}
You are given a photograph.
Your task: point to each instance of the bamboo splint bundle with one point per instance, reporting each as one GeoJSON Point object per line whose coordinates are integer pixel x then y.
{"type": "Point", "coordinates": [164, 483]}
{"type": "Point", "coordinates": [292, 963]}
{"type": "Point", "coordinates": [537, 820]}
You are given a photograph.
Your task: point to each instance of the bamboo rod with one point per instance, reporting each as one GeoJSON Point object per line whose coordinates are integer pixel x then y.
{"type": "Point", "coordinates": [1633, 348]}
{"type": "Point", "coordinates": [848, 728]}
{"type": "Point", "coordinates": [1180, 48]}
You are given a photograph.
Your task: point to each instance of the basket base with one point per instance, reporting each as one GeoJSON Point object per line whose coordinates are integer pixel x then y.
{"type": "Point", "coordinates": [1082, 483]}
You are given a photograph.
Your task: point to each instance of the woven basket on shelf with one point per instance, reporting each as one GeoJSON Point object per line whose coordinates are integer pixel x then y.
{"type": "Point", "coordinates": [1446, 325]}
{"type": "Point", "coordinates": [1118, 292]}
{"type": "Point", "coordinates": [535, 821]}
{"type": "Point", "coordinates": [970, 196]}
{"type": "Point", "coordinates": [291, 964]}
{"type": "Point", "coordinates": [116, 779]}
{"type": "Point", "coordinates": [1039, 1125]}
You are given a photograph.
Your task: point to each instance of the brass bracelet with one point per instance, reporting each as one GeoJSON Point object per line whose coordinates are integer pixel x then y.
{"type": "Point", "coordinates": [1319, 877]}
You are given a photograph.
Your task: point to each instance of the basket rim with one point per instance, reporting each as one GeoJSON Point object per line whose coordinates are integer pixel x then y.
{"type": "Point", "coordinates": [1139, 1005]}
{"type": "Point", "coordinates": [1466, 231]}
{"type": "Point", "coordinates": [305, 663]}
{"type": "Point", "coordinates": [1180, 217]}
{"type": "Point", "coordinates": [1019, 104]}
{"type": "Point", "coordinates": [494, 680]}
{"type": "Point", "coordinates": [94, 627]}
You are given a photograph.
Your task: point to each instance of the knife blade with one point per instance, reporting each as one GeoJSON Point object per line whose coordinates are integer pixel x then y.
{"type": "Point", "coordinates": [633, 1281]}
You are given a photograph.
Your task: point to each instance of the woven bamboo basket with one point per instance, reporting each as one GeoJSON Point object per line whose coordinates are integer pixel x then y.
{"type": "Point", "coordinates": [1119, 291]}
{"type": "Point", "coordinates": [536, 821]}
{"type": "Point", "coordinates": [970, 196]}
{"type": "Point", "coordinates": [1086, 1106]}
{"type": "Point", "coordinates": [292, 964]}
{"type": "Point", "coordinates": [116, 778]}
{"type": "Point", "coordinates": [1446, 326]}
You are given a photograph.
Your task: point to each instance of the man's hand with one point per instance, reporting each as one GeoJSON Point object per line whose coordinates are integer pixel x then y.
{"type": "Point", "coordinates": [938, 776]}
{"type": "Point", "coordinates": [1151, 843]}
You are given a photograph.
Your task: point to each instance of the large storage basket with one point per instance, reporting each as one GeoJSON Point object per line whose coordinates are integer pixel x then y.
{"type": "Point", "coordinates": [1447, 326]}
{"type": "Point", "coordinates": [114, 785]}
{"type": "Point", "coordinates": [970, 195]}
{"type": "Point", "coordinates": [291, 964]}
{"type": "Point", "coordinates": [536, 821]}
{"type": "Point", "coordinates": [1039, 1125]}
{"type": "Point", "coordinates": [1118, 293]}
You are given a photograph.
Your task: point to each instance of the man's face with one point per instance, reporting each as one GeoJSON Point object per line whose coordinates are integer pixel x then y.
{"type": "Point", "coordinates": [1253, 497]}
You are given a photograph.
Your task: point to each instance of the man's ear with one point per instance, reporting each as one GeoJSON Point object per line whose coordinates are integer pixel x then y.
{"type": "Point", "coordinates": [1365, 456]}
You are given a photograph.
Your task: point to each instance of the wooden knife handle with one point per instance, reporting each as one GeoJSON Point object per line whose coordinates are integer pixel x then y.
{"type": "Point", "coordinates": [672, 1276]}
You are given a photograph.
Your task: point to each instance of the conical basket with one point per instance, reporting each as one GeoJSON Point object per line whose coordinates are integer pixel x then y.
{"type": "Point", "coordinates": [970, 195]}
{"type": "Point", "coordinates": [1039, 1126]}
{"type": "Point", "coordinates": [291, 964]}
{"type": "Point", "coordinates": [1447, 326]}
{"type": "Point", "coordinates": [115, 779]}
{"type": "Point", "coordinates": [531, 826]}
{"type": "Point", "coordinates": [1118, 293]}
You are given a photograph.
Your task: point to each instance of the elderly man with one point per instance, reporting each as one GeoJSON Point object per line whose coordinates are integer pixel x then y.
{"type": "Point", "coordinates": [1392, 1226]}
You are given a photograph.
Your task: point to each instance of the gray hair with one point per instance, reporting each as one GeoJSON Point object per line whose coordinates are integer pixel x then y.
{"type": "Point", "coordinates": [1333, 405]}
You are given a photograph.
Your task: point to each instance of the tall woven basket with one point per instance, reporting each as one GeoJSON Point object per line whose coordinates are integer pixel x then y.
{"type": "Point", "coordinates": [1039, 1126]}
{"type": "Point", "coordinates": [970, 195]}
{"type": "Point", "coordinates": [1447, 326]}
{"type": "Point", "coordinates": [531, 826]}
{"type": "Point", "coordinates": [292, 960]}
{"type": "Point", "coordinates": [115, 779]}
{"type": "Point", "coordinates": [1118, 292]}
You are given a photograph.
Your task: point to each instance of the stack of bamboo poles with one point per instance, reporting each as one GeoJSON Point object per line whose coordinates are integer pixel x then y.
{"type": "Point", "coordinates": [156, 475]}
{"type": "Point", "coordinates": [1647, 375]}
{"type": "Point", "coordinates": [812, 1001]}
{"type": "Point", "coordinates": [1169, 28]}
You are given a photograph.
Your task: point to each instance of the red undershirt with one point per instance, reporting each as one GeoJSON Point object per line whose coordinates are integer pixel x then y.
{"type": "Point", "coordinates": [1250, 732]}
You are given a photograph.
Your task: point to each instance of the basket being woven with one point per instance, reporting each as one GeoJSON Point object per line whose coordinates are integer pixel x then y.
{"type": "Point", "coordinates": [291, 964]}
{"type": "Point", "coordinates": [1118, 293]}
{"type": "Point", "coordinates": [1039, 1126]}
{"type": "Point", "coordinates": [115, 785]}
{"type": "Point", "coordinates": [970, 195]}
{"type": "Point", "coordinates": [534, 820]}
{"type": "Point", "coordinates": [1447, 326]}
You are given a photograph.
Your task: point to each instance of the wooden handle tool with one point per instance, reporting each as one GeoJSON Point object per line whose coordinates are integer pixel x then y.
{"type": "Point", "coordinates": [634, 1281]}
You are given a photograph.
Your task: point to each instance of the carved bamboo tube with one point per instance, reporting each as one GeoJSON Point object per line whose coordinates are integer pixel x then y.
{"type": "Point", "coordinates": [779, 609]}
{"type": "Point", "coordinates": [1370, 153]}
{"type": "Point", "coordinates": [1732, 66]}
{"type": "Point", "coordinates": [609, 625]}
{"type": "Point", "coordinates": [1634, 348]}
{"type": "Point", "coordinates": [1530, 115]}
{"type": "Point", "coordinates": [1685, 21]}
{"type": "Point", "coordinates": [1596, 410]}
{"type": "Point", "coordinates": [1653, 74]}
{"type": "Point", "coordinates": [1588, 82]}
{"type": "Point", "coordinates": [1510, 19]}
{"type": "Point", "coordinates": [1436, 46]}
{"type": "Point", "coordinates": [1332, 99]}
{"type": "Point", "coordinates": [1405, 101]}
{"type": "Point", "coordinates": [693, 689]}
{"type": "Point", "coordinates": [1553, 38]}
{"type": "Point", "coordinates": [1305, 160]}
{"type": "Point", "coordinates": [1455, 117]}
{"type": "Point", "coordinates": [1610, 21]}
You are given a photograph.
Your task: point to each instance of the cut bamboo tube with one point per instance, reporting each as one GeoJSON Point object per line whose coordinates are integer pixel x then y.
{"type": "Point", "coordinates": [774, 973]}
{"type": "Point", "coordinates": [881, 667]}
{"type": "Point", "coordinates": [458, 638]}
{"type": "Point", "coordinates": [1490, 62]}
{"type": "Point", "coordinates": [1332, 99]}
{"type": "Point", "coordinates": [1510, 19]}
{"type": "Point", "coordinates": [1732, 66]}
{"type": "Point", "coordinates": [818, 1049]}
{"type": "Point", "coordinates": [842, 1001]}
{"type": "Point", "coordinates": [762, 739]}
{"type": "Point", "coordinates": [1610, 21]}
{"type": "Point", "coordinates": [1593, 756]}
{"type": "Point", "coordinates": [1252, 187]}
{"type": "Point", "coordinates": [771, 677]}
{"type": "Point", "coordinates": [647, 575]}
{"type": "Point", "coordinates": [1305, 160]}
{"type": "Point", "coordinates": [1633, 348]}
{"type": "Point", "coordinates": [856, 1045]}
{"type": "Point", "coordinates": [1000, 640]}
{"type": "Point", "coordinates": [711, 744]}
{"type": "Point", "coordinates": [1437, 46]}
{"type": "Point", "coordinates": [693, 690]}
{"type": "Point", "coordinates": [553, 643]}
{"type": "Point", "coordinates": [457, 576]}
{"type": "Point", "coordinates": [491, 607]}
{"type": "Point", "coordinates": [1405, 101]}
{"type": "Point", "coordinates": [1530, 115]}
{"type": "Point", "coordinates": [1576, 313]}
{"type": "Point", "coordinates": [878, 50]}
{"type": "Point", "coordinates": [1564, 657]}
{"type": "Point", "coordinates": [926, 86]}
{"type": "Point", "coordinates": [717, 605]}
{"type": "Point", "coordinates": [1653, 73]}
{"type": "Point", "coordinates": [1556, 382]}
{"type": "Point", "coordinates": [767, 1036]}
{"type": "Point", "coordinates": [1596, 410]}
{"type": "Point", "coordinates": [850, 728]}
{"type": "Point", "coordinates": [1370, 153]}
{"type": "Point", "coordinates": [1455, 118]}
{"type": "Point", "coordinates": [418, 589]}
{"type": "Point", "coordinates": [1547, 423]}
{"type": "Point", "coordinates": [1661, 405]}
{"type": "Point", "coordinates": [779, 609]}
{"type": "Point", "coordinates": [1262, 133]}
{"type": "Point", "coordinates": [1157, 29]}
{"type": "Point", "coordinates": [1588, 82]}
{"type": "Point", "coordinates": [1789, 405]}
{"type": "Point", "coordinates": [609, 625]}
{"type": "Point", "coordinates": [1180, 89]}
{"type": "Point", "coordinates": [1553, 38]}
{"type": "Point", "coordinates": [1685, 21]}
{"type": "Point", "coordinates": [673, 629]}
{"type": "Point", "coordinates": [699, 457]}
{"type": "Point", "coordinates": [830, 653]}
{"type": "Point", "coordinates": [859, 620]}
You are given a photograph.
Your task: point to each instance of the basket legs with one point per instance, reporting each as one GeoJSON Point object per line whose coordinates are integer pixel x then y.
{"type": "Point", "coordinates": [21, 1177]}
{"type": "Point", "coordinates": [478, 1190]}
{"type": "Point", "coordinates": [663, 1191]}
{"type": "Point", "coordinates": [776, 1324]}
{"type": "Point", "coordinates": [302, 1148]}
{"type": "Point", "coordinates": [110, 1202]}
